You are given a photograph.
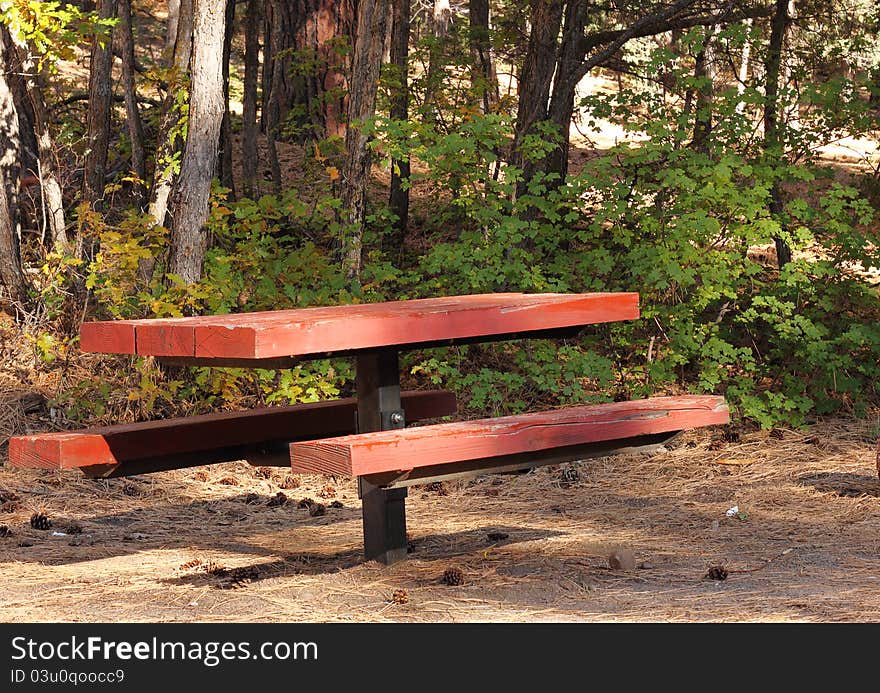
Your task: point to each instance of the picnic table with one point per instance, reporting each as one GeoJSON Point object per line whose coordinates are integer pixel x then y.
{"type": "Point", "coordinates": [367, 436]}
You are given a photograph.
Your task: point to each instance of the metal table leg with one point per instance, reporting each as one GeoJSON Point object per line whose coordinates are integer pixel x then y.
{"type": "Point", "coordinates": [379, 409]}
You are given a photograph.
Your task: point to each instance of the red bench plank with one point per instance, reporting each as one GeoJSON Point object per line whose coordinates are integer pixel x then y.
{"type": "Point", "coordinates": [310, 331]}
{"type": "Point", "coordinates": [421, 446]}
{"type": "Point", "coordinates": [115, 445]}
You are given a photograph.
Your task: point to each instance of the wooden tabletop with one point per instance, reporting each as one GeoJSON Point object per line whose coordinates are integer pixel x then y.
{"type": "Point", "coordinates": [322, 331]}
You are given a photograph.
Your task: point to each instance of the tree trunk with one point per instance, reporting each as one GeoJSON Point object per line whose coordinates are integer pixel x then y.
{"type": "Point", "coordinates": [483, 76]}
{"type": "Point", "coordinates": [100, 103]}
{"type": "Point", "coordinates": [399, 110]}
{"type": "Point", "coordinates": [303, 66]}
{"type": "Point", "coordinates": [189, 239]}
{"type": "Point", "coordinates": [535, 78]}
{"type": "Point", "coordinates": [163, 175]}
{"type": "Point", "coordinates": [372, 23]}
{"type": "Point", "coordinates": [704, 71]}
{"type": "Point", "coordinates": [171, 29]}
{"type": "Point", "coordinates": [225, 163]}
{"type": "Point", "coordinates": [744, 67]}
{"type": "Point", "coordinates": [11, 275]}
{"type": "Point", "coordinates": [772, 136]}
{"type": "Point", "coordinates": [133, 114]}
{"type": "Point", "coordinates": [435, 75]}
{"type": "Point", "coordinates": [250, 155]}
{"type": "Point", "coordinates": [564, 89]}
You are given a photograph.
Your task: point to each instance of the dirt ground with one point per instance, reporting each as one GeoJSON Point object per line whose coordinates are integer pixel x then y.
{"type": "Point", "coordinates": [205, 544]}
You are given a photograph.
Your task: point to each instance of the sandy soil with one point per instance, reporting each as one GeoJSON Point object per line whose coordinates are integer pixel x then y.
{"type": "Point", "coordinates": [205, 545]}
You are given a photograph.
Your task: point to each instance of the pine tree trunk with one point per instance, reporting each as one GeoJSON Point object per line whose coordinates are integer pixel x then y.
{"type": "Point", "coordinates": [11, 275]}
{"type": "Point", "coordinates": [171, 29]}
{"type": "Point", "coordinates": [100, 103]}
{"type": "Point", "coordinates": [483, 75]}
{"type": "Point", "coordinates": [744, 66]}
{"type": "Point", "coordinates": [535, 78]}
{"type": "Point", "coordinates": [772, 137]}
{"type": "Point", "coordinates": [133, 114]}
{"type": "Point", "coordinates": [225, 163]}
{"type": "Point", "coordinates": [435, 74]}
{"type": "Point", "coordinates": [372, 24]}
{"type": "Point", "coordinates": [163, 175]}
{"type": "Point", "coordinates": [189, 239]}
{"type": "Point", "coordinates": [306, 32]}
{"type": "Point", "coordinates": [400, 168]}
{"type": "Point", "coordinates": [249, 152]}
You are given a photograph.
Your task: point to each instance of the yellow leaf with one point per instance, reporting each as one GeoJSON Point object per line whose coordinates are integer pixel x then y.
{"type": "Point", "coordinates": [333, 172]}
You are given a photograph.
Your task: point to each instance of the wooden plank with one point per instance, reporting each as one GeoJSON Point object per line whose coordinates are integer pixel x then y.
{"type": "Point", "coordinates": [112, 337]}
{"type": "Point", "coordinates": [422, 446]}
{"type": "Point", "coordinates": [110, 446]}
{"type": "Point", "coordinates": [334, 329]}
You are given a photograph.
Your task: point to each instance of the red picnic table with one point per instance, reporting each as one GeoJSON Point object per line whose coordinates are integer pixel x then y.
{"type": "Point", "coordinates": [367, 436]}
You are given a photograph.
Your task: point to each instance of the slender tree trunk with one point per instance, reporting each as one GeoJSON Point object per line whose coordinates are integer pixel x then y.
{"type": "Point", "coordinates": [744, 67]}
{"type": "Point", "coordinates": [704, 71]}
{"type": "Point", "coordinates": [11, 275]}
{"type": "Point", "coordinates": [225, 163]}
{"type": "Point", "coordinates": [434, 78]}
{"type": "Point", "coordinates": [400, 168]}
{"type": "Point", "coordinates": [163, 175]}
{"type": "Point", "coordinates": [250, 155]}
{"type": "Point", "coordinates": [27, 92]}
{"type": "Point", "coordinates": [171, 29]}
{"type": "Point", "coordinates": [772, 136]}
{"type": "Point", "coordinates": [100, 103]}
{"type": "Point", "coordinates": [275, 97]}
{"type": "Point", "coordinates": [189, 239]}
{"type": "Point", "coordinates": [372, 23]}
{"type": "Point", "coordinates": [135, 127]}
{"type": "Point", "coordinates": [483, 75]}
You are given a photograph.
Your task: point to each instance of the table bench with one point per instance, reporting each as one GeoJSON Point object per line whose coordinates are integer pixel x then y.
{"type": "Point", "coordinates": [374, 445]}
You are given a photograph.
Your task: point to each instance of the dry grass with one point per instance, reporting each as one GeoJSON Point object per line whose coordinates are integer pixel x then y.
{"type": "Point", "coordinates": [204, 545]}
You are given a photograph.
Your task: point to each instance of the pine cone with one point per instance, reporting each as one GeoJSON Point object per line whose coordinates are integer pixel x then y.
{"type": "Point", "coordinates": [263, 472]}
{"type": "Point", "coordinates": [716, 572]}
{"type": "Point", "coordinates": [317, 509]}
{"type": "Point", "coordinates": [291, 481]}
{"type": "Point", "coordinates": [7, 496]}
{"type": "Point", "coordinates": [276, 500]}
{"type": "Point", "coordinates": [305, 503]}
{"type": "Point", "coordinates": [453, 577]}
{"type": "Point", "coordinates": [40, 521]}
{"type": "Point", "coordinates": [5, 532]}
{"type": "Point", "coordinates": [73, 528]}
{"type": "Point", "coordinates": [327, 491]}
{"type": "Point", "coordinates": [253, 499]}
{"type": "Point", "coordinates": [337, 504]}
{"type": "Point", "coordinates": [399, 597]}
{"type": "Point", "coordinates": [239, 577]}
{"type": "Point", "coordinates": [569, 476]}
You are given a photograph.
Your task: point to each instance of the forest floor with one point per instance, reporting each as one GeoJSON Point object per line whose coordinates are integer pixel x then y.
{"type": "Point", "coordinates": [792, 515]}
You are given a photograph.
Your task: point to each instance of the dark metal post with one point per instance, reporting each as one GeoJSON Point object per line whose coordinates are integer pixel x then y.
{"type": "Point", "coordinates": [379, 409]}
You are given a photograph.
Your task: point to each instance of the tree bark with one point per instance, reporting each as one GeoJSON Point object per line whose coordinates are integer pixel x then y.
{"type": "Point", "coordinates": [436, 73]}
{"type": "Point", "coordinates": [399, 110]}
{"type": "Point", "coordinates": [100, 102]}
{"type": "Point", "coordinates": [307, 33]}
{"type": "Point", "coordinates": [163, 175]}
{"type": "Point", "coordinates": [483, 76]}
{"type": "Point", "coordinates": [250, 154]}
{"type": "Point", "coordinates": [772, 136]}
{"type": "Point", "coordinates": [189, 239]}
{"type": "Point", "coordinates": [535, 78]}
{"type": "Point", "coordinates": [171, 29]}
{"type": "Point", "coordinates": [11, 274]}
{"type": "Point", "coordinates": [372, 23]}
{"type": "Point", "coordinates": [744, 67]}
{"type": "Point", "coordinates": [135, 127]}
{"type": "Point", "coordinates": [225, 163]}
